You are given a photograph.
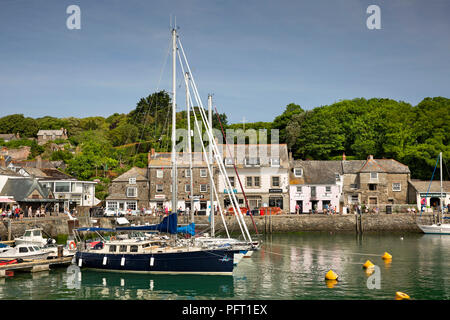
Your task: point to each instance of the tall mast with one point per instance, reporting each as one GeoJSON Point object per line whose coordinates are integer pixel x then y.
{"type": "Point", "coordinates": [211, 181]}
{"type": "Point", "coordinates": [442, 196]}
{"type": "Point", "coordinates": [188, 97]}
{"type": "Point", "coordinates": [174, 111]}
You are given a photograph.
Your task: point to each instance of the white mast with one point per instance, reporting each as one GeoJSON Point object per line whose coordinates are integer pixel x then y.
{"type": "Point", "coordinates": [188, 97]}
{"type": "Point", "coordinates": [211, 181]}
{"type": "Point", "coordinates": [174, 111]}
{"type": "Point", "coordinates": [442, 196]}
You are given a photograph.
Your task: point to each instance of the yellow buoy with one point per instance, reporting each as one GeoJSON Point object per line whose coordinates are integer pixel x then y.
{"type": "Point", "coordinates": [368, 264]}
{"type": "Point", "coordinates": [331, 283]}
{"type": "Point", "coordinates": [386, 256]}
{"type": "Point", "coordinates": [401, 296]}
{"type": "Point", "coordinates": [331, 275]}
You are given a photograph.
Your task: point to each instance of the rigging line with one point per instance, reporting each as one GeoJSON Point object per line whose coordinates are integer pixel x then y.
{"type": "Point", "coordinates": [210, 170]}
{"type": "Point", "coordinates": [218, 157]}
{"type": "Point", "coordinates": [151, 103]}
{"type": "Point", "coordinates": [426, 196]}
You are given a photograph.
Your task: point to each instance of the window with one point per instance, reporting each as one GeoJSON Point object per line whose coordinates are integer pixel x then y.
{"type": "Point", "coordinates": [298, 172]}
{"type": "Point", "coordinates": [23, 249]}
{"type": "Point", "coordinates": [203, 188]}
{"type": "Point", "coordinates": [275, 181]}
{"type": "Point", "coordinates": [231, 181]}
{"type": "Point", "coordinates": [112, 205]}
{"type": "Point", "coordinates": [112, 248]}
{"type": "Point", "coordinates": [159, 173]}
{"type": "Point", "coordinates": [132, 192]}
{"type": "Point", "coordinates": [249, 181]}
{"type": "Point", "coordinates": [187, 188]}
{"type": "Point", "coordinates": [228, 161]}
{"type": "Point", "coordinates": [36, 233]}
{"type": "Point", "coordinates": [328, 189]}
{"type": "Point", "coordinates": [203, 173]}
{"type": "Point", "coordinates": [31, 249]}
{"type": "Point", "coordinates": [131, 205]}
{"type": "Point", "coordinates": [353, 186]}
{"type": "Point", "coordinates": [374, 175]}
{"type": "Point", "coordinates": [299, 189]}
{"type": "Point", "coordinates": [338, 177]}
{"type": "Point", "coordinates": [159, 188]}
{"type": "Point", "coordinates": [122, 248]}
{"type": "Point", "coordinates": [62, 186]}
{"type": "Point", "coordinates": [132, 181]}
{"type": "Point", "coordinates": [256, 181]}
{"type": "Point", "coordinates": [372, 186]}
{"type": "Point", "coordinates": [275, 162]}
{"type": "Point", "coordinates": [187, 173]}
{"type": "Point", "coordinates": [252, 161]}
{"type": "Point", "coordinates": [396, 186]}
{"type": "Point", "coordinates": [133, 248]}
{"type": "Point", "coordinates": [354, 198]}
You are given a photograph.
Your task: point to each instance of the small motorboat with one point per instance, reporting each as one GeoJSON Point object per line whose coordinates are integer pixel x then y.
{"type": "Point", "coordinates": [24, 251]}
{"type": "Point", "coordinates": [34, 237]}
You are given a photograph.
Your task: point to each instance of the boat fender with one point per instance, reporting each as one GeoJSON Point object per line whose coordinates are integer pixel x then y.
{"type": "Point", "coordinates": [72, 245]}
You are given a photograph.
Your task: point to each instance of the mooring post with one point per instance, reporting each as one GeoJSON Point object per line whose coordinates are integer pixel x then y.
{"type": "Point", "coordinates": [9, 229]}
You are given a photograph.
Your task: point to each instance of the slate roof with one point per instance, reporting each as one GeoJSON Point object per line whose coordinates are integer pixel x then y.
{"type": "Point", "coordinates": [58, 132]}
{"type": "Point", "coordinates": [422, 186]}
{"type": "Point", "coordinates": [135, 172]}
{"type": "Point", "coordinates": [20, 189]}
{"type": "Point", "coordinates": [315, 171]}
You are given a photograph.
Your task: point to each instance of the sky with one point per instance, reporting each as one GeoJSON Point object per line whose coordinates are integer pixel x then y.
{"type": "Point", "coordinates": [255, 57]}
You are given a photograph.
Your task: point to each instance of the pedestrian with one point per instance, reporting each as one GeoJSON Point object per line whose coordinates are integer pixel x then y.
{"type": "Point", "coordinates": [38, 212]}
{"type": "Point", "coordinates": [297, 209]}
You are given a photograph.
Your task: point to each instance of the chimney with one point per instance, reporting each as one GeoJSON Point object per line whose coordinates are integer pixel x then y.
{"type": "Point", "coordinates": [370, 157]}
{"type": "Point", "coordinates": [2, 162]}
{"type": "Point", "coordinates": [290, 156]}
{"type": "Point", "coordinates": [38, 162]}
{"type": "Point", "coordinates": [343, 156]}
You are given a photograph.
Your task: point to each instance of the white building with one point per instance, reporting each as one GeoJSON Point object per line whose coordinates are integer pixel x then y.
{"type": "Point", "coordinates": [315, 186]}
{"type": "Point", "coordinates": [263, 170]}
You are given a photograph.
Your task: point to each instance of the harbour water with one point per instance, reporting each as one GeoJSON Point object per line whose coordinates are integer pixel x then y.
{"type": "Point", "coordinates": [288, 267]}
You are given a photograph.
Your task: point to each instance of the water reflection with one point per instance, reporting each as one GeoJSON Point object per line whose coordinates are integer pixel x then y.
{"type": "Point", "coordinates": [110, 285]}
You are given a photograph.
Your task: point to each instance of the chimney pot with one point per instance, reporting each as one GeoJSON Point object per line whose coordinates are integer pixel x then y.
{"type": "Point", "coordinates": [343, 156]}
{"type": "Point", "coordinates": [370, 157]}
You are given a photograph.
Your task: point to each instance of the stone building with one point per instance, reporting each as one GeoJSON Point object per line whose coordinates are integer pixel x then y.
{"type": "Point", "coordinates": [264, 173]}
{"type": "Point", "coordinates": [43, 136]}
{"type": "Point", "coordinates": [315, 185]}
{"type": "Point", "coordinates": [375, 182]}
{"type": "Point", "coordinates": [129, 191]}
{"type": "Point", "coordinates": [160, 175]}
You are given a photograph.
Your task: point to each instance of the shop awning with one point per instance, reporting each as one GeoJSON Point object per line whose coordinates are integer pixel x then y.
{"type": "Point", "coordinates": [6, 200]}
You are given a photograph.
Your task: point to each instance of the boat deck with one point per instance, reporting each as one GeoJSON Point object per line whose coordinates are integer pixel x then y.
{"type": "Point", "coordinates": [35, 265]}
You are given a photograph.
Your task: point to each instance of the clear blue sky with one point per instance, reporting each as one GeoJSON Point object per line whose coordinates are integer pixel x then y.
{"type": "Point", "coordinates": [254, 56]}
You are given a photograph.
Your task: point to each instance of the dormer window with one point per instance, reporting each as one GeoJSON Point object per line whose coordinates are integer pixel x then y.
{"type": "Point", "coordinates": [374, 175]}
{"type": "Point", "coordinates": [251, 162]}
{"type": "Point", "coordinates": [275, 162]}
{"type": "Point", "coordinates": [228, 161]}
{"type": "Point", "coordinates": [298, 172]}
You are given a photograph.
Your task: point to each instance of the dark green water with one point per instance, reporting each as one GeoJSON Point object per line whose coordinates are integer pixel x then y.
{"type": "Point", "coordinates": [287, 267]}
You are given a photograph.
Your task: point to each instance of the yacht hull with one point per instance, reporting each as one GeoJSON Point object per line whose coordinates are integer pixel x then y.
{"type": "Point", "coordinates": [435, 229]}
{"type": "Point", "coordinates": [211, 262]}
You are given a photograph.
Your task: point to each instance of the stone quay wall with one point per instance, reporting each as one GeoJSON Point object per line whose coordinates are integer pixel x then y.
{"type": "Point", "coordinates": [58, 225]}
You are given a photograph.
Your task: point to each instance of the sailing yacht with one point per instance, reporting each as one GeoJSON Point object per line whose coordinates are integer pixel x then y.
{"type": "Point", "coordinates": [439, 227]}
{"type": "Point", "coordinates": [156, 254]}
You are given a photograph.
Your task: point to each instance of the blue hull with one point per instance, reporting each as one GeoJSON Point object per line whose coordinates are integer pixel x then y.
{"type": "Point", "coordinates": [215, 262]}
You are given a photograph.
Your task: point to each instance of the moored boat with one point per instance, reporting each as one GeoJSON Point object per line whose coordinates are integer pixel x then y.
{"type": "Point", "coordinates": [24, 251]}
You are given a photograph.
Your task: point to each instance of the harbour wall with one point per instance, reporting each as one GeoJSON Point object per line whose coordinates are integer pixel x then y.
{"type": "Point", "coordinates": [61, 225]}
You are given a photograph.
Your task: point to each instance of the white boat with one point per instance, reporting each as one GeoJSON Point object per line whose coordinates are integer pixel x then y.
{"type": "Point", "coordinates": [34, 237]}
{"type": "Point", "coordinates": [437, 228]}
{"type": "Point", "coordinates": [53, 251]}
{"type": "Point", "coordinates": [24, 251]}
